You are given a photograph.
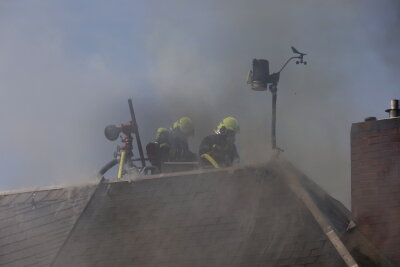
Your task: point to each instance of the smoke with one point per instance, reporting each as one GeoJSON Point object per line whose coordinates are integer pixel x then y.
{"type": "Point", "coordinates": [67, 68]}
{"type": "Point", "coordinates": [202, 58]}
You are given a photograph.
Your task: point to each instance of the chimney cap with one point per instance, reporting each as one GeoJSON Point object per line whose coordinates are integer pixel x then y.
{"type": "Point", "coordinates": [394, 105]}
{"type": "Point", "coordinates": [394, 111]}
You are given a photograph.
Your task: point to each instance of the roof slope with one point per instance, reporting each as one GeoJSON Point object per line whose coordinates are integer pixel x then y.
{"type": "Point", "coordinates": [269, 215]}
{"type": "Point", "coordinates": [34, 224]}
{"type": "Point", "coordinates": [242, 217]}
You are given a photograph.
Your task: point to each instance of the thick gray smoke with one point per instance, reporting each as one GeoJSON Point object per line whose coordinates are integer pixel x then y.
{"type": "Point", "coordinates": [203, 56]}
{"type": "Point", "coordinates": [66, 71]}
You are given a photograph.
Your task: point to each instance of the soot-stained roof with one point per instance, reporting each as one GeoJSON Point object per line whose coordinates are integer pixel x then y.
{"type": "Point", "coordinates": [265, 215]}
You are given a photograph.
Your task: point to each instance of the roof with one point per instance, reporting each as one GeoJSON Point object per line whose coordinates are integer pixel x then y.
{"type": "Point", "coordinates": [269, 215]}
{"type": "Point", "coordinates": [248, 217]}
{"type": "Point", "coordinates": [34, 224]}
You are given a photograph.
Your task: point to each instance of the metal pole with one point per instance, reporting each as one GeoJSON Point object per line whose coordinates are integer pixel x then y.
{"type": "Point", "coordinates": [136, 129]}
{"type": "Point", "coordinates": [273, 126]}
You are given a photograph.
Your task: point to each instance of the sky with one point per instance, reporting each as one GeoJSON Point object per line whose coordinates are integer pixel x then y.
{"type": "Point", "coordinates": [67, 69]}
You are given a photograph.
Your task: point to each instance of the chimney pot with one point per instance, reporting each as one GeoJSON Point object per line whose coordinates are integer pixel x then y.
{"type": "Point", "coordinates": [394, 110]}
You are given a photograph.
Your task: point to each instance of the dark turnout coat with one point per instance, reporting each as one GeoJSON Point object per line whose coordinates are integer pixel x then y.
{"type": "Point", "coordinates": [179, 148]}
{"type": "Point", "coordinates": [223, 152]}
{"type": "Point", "coordinates": [170, 146]}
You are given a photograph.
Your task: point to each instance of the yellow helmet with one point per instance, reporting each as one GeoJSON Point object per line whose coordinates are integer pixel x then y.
{"type": "Point", "coordinates": [160, 131]}
{"type": "Point", "coordinates": [229, 123]}
{"type": "Point", "coordinates": [185, 125]}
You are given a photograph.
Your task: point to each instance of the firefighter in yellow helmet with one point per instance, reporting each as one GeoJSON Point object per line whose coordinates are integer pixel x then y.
{"type": "Point", "coordinates": [172, 144]}
{"type": "Point", "coordinates": [219, 149]}
{"type": "Point", "coordinates": [181, 130]}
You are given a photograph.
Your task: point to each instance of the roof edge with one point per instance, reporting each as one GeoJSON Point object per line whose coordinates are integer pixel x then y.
{"type": "Point", "coordinates": [46, 188]}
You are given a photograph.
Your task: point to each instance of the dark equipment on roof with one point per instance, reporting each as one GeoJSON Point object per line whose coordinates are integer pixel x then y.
{"type": "Point", "coordinates": [260, 79]}
{"type": "Point", "coordinates": [124, 153]}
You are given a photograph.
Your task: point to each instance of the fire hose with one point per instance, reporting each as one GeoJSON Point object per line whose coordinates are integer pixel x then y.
{"type": "Point", "coordinates": [210, 159]}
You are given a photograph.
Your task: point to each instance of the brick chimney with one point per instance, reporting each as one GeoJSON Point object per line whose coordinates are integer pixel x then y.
{"type": "Point", "coordinates": [375, 182]}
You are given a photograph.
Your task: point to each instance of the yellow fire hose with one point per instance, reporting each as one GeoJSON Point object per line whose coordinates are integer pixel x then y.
{"type": "Point", "coordinates": [210, 159]}
{"type": "Point", "coordinates": [121, 164]}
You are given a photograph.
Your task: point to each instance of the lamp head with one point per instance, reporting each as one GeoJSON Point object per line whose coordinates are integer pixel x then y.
{"type": "Point", "coordinates": [112, 131]}
{"type": "Point", "coordinates": [259, 77]}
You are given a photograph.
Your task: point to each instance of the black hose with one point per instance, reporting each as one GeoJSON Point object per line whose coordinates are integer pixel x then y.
{"type": "Point", "coordinates": [106, 168]}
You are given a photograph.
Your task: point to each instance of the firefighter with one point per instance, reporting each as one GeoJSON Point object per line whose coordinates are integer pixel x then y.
{"type": "Point", "coordinates": [162, 139]}
{"type": "Point", "coordinates": [219, 149]}
{"type": "Point", "coordinates": [181, 130]}
{"type": "Point", "coordinates": [172, 144]}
